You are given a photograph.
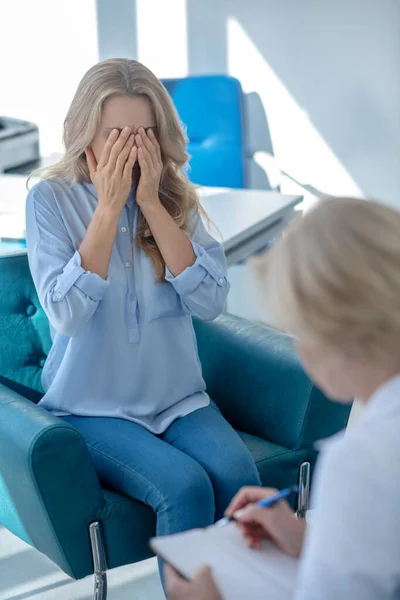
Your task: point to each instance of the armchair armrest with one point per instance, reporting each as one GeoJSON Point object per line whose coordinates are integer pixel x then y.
{"type": "Point", "coordinates": [253, 374]}
{"type": "Point", "coordinates": [49, 490]}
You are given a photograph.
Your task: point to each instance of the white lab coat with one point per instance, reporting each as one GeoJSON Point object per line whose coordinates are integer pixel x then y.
{"type": "Point", "coordinates": [352, 547]}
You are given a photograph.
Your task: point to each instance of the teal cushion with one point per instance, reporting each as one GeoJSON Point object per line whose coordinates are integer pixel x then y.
{"type": "Point", "coordinates": [24, 329]}
{"type": "Point", "coordinates": [278, 466]}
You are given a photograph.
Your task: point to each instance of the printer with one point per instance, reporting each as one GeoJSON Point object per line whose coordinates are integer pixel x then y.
{"type": "Point", "coordinates": [19, 143]}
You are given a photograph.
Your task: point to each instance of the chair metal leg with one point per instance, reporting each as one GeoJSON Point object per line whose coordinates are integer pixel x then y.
{"type": "Point", "coordinates": [304, 490]}
{"type": "Point", "coordinates": [99, 562]}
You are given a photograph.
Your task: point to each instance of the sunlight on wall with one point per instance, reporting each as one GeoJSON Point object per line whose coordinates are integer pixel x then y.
{"type": "Point", "coordinates": [45, 48]}
{"type": "Point", "coordinates": [162, 36]}
{"type": "Point", "coordinates": [298, 147]}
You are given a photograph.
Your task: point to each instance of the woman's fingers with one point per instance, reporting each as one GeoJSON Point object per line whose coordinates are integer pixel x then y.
{"type": "Point", "coordinates": [252, 530]}
{"type": "Point", "coordinates": [253, 542]}
{"type": "Point", "coordinates": [91, 162]}
{"type": "Point", "coordinates": [112, 138]}
{"type": "Point", "coordinates": [129, 164]}
{"type": "Point", "coordinates": [118, 147]}
{"type": "Point", "coordinates": [151, 144]}
{"type": "Point", "coordinates": [123, 155]}
{"type": "Point", "coordinates": [258, 523]}
{"type": "Point", "coordinates": [149, 157]}
{"type": "Point", "coordinates": [256, 517]}
{"type": "Point", "coordinates": [152, 137]}
{"type": "Point", "coordinates": [148, 143]}
{"type": "Point", "coordinates": [143, 163]}
{"type": "Point", "coordinates": [278, 524]}
{"type": "Point", "coordinates": [154, 140]}
{"type": "Point", "coordinates": [248, 495]}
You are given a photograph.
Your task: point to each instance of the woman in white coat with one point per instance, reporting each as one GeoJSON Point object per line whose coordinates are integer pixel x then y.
{"type": "Point", "coordinates": [334, 284]}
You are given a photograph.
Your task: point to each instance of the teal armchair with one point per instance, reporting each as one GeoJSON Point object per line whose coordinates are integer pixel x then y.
{"type": "Point", "coordinates": [50, 494]}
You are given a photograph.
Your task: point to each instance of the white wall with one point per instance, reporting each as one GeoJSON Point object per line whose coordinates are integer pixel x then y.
{"type": "Point", "coordinates": [45, 48]}
{"type": "Point", "coordinates": [328, 74]}
{"type": "Point", "coordinates": [323, 75]}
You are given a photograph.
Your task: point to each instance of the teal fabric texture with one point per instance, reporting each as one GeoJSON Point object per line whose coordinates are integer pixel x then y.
{"type": "Point", "coordinates": [49, 489]}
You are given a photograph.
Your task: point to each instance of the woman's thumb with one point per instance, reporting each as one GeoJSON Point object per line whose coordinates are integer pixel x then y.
{"type": "Point", "coordinates": [204, 573]}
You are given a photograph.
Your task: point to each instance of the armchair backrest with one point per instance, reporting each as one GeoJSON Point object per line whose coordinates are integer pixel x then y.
{"type": "Point", "coordinates": [255, 377]}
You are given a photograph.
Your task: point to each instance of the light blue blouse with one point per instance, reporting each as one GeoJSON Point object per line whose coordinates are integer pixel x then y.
{"type": "Point", "coordinates": [124, 347]}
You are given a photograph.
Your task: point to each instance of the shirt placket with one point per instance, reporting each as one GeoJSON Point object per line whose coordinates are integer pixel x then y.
{"type": "Point", "coordinates": [127, 231]}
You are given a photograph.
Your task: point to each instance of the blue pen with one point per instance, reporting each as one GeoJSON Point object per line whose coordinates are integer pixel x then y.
{"type": "Point", "coordinates": [265, 503]}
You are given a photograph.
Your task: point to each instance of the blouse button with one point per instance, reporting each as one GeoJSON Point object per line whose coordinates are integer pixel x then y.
{"type": "Point", "coordinates": [220, 281]}
{"type": "Point", "coordinates": [127, 264]}
{"type": "Point", "coordinates": [58, 296]}
{"type": "Point", "coordinates": [123, 229]}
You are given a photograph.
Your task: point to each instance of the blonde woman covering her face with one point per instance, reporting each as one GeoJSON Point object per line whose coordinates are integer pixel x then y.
{"type": "Point", "coordinates": [122, 262]}
{"type": "Point", "coordinates": [334, 284]}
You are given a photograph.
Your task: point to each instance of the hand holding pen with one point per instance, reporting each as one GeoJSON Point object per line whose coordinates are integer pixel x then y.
{"type": "Point", "coordinates": [267, 516]}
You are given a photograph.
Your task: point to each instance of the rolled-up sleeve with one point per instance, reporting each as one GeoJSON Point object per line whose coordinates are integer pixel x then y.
{"type": "Point", "coordinates": [69, 294]}
{"type": "Point", "coordinates": [204, 286]}
{"type": "Point", "coordinates": [73, 274]}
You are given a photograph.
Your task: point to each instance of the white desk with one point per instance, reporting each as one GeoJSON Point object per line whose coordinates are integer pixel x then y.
{"type": "Point", "coordinates": [246, 219]}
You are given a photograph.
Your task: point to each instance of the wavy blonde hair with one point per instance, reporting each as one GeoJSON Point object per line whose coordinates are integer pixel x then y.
{"type": "Point", "coordinates": [334, 277]}
{"type": "Point", "coordinates": [121, 76]}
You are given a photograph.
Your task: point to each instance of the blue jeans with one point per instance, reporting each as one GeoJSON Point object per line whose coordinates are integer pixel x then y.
{"type": "Point", "coordinates": [188, 474]}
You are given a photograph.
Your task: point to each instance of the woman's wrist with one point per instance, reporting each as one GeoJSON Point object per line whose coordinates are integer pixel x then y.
{"type": "Point", "coordinates": [96, 246]}
{"type": "Point", "coordinates": [151, 208]}
{"type": "Point", "coordinates": [105, 222]}
{"type": "Point", "coordinates": [107, 212]}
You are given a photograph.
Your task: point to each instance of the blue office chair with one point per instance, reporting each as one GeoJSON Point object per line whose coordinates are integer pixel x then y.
{"type": "Point", "coordinates": [211, 108]}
